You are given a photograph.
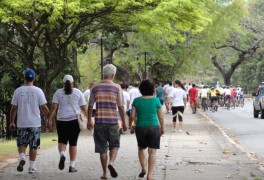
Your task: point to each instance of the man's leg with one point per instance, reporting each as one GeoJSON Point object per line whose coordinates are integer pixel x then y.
{"type": "Point", "coordinates": [22, 157]}
{"type": "Point", "coordinates": [103, 158]}
{"type": "Point", "coordinates": [151, 162]}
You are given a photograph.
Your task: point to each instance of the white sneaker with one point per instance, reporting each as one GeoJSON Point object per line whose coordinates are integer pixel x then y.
{"type": "Point", "coordinates": [180, 131]}
{"type": "Point", "coordinates": [174, 130]}
{"type": "Point", "coordinates": [32, 170]}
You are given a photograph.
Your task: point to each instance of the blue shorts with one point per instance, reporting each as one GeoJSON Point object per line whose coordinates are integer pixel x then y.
{"type": "Point", "coordinates": [29, 136]}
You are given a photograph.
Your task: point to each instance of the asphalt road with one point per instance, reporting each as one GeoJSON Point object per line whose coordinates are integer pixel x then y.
{"type": "Point", "coordinates": [240, 125]}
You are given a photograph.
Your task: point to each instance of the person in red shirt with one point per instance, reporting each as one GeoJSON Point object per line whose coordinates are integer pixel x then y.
{"type": "Point", "coordinates": [193, 97]}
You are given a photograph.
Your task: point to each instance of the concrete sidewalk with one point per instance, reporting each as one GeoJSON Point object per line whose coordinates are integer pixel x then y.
{"type": "Point", "coordinates": [201, 151]}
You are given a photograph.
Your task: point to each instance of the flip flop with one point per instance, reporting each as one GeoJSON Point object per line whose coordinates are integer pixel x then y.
{"type": "Point", "coordinates": [142, 174]}
{"type": "Point", "coordinates": [112, 171]}
{"type": "Point", "coordinates": [103, 177]}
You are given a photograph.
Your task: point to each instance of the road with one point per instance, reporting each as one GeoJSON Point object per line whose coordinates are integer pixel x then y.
{"type": "Point", "coordinates": [241, 126]}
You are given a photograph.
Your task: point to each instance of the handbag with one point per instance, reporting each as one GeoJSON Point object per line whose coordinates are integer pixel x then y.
{"type": "Point", "coordinates": [82, 119]}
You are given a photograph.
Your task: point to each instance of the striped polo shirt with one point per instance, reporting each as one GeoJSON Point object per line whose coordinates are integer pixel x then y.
{"type": "Point", "coordinates": [108, 96]}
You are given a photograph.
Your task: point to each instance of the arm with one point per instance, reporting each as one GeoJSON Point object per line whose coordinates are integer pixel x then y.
{"type": "Point", "coordinates": [132, 118]}
{"type": "Point", "coordinates": [13, 113]}
{"type": "Point", "coordinates": [51, 114]}
{"type": "Point", "coordinates": [45, 110]}
{"type": "Point", "coordinates": [184, 101]}
{"type": "Point", "coordinates": [90, 123]}
{"type": "Point", "coordinates": [161, 121]}
{"type": "Point", "coordinates": [84, 110]}
{"type": "Point", "coordinates": [122, 115]}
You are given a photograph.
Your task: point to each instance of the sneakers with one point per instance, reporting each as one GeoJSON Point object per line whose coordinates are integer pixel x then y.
{"type": "Point", "coordinates": [61, 163]}
{"type": "Point", "coordinates": [32, 170]}
{"type": "Point", "coordinates": [72, 169]}
{"type": "Point", "coordinates": [174, 130]}
{"type": "Point", "coordinates": [20, 165]}
{"type": "Point", "coordinates": [180, 131]}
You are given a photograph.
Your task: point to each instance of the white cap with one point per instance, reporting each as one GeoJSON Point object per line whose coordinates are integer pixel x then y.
{"type": "Point", "coordinates": [68, 77]}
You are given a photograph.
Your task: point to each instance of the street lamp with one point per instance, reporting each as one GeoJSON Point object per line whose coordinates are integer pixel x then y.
{"type": "Point", "coordinates": [99, 40]}
{"type": "Point", "coordinates": [145, 55]}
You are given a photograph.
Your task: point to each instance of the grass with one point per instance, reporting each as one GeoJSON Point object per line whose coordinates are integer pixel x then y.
{"type": "Point", "coordinates": [8, 149]}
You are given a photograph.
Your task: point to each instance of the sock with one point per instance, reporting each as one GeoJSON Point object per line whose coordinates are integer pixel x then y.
{"type": "Point", "coordinates": [72, 163]}
{"type": "Point", "coordinates": [22, 156]}
{"type": "Point", "coordinates": [62, 153]}
{"type": "Point", "coordinates": [31, 164]}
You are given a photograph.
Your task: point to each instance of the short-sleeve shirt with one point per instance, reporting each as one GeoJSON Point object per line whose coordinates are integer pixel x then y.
{"type": "Point", "coordinates": [108, 96]}
{"type": "Point", "coordinates": [160, 93]}
{"type": "Point", "coordinates": [193, 93]}
{"type": "Point", "coordinates": [126, 97]}
{"type": "Point", "coordinates": [178, 94]}
{"type": "Point", "coordinates": [65, 110]}
{"type": "Point", "coordinates": [134, 93]}
{"type": "Point", "coordinates": [28, 99]}
{"type": "Point", "coordinates": [147, 111]}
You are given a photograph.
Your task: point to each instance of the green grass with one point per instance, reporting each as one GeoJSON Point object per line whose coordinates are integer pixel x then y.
{"type": "Point", "coordinates": [8, 149]}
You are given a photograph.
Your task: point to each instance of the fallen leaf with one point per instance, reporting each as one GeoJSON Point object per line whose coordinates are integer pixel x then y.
{"type": "Point", "coordinates": [252, 174]}
{"type": "Point", "coordinates": [187, 133]}
{"type": "Point", "coordinates": [229, 175]}
{"type": "Point", "coordinates": [198, 171]}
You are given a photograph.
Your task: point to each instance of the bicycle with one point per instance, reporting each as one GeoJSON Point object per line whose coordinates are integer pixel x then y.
{"type": "Point", "coordinates": [228, 102]}
{"type": "Point", "coordinates": [240, 100]}
{"type": "Point", "coordinates": [214, 106]}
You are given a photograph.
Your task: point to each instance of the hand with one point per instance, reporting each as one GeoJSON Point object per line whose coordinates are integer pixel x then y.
{"type": "Point", "coordinates": [132, 129]}
{"type": "Point", "coordinates": [49, 124]}
{"type": "Point", "coordinates": [124, 127]}
{"type": "Point", "coordinates": [161, 131]}
{"type": "Point", "coordinates": [12, 127]}
{"type": "Point", "coordinates": [90, 124]}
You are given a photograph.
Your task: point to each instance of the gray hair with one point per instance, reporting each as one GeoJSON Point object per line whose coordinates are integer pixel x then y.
{"type": "Point", "coordinates": [109, 70]}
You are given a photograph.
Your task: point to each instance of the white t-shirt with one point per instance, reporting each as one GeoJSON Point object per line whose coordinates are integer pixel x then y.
{"type": "Point", "coordinates": [204, 93]}
{"type": "Point", "coordinates": [227, 91]}
{"type": "Point", "coordinates": [28, 99]}
{"type": "Point", "coordinates": [65, 111]}
{"type": "Point", "coordinates": [126, 97]}
{"type": "Point", "coordinates": [178, 94]}
{"type": "Point", "coordinates": [87, 94]}
{"type": "Point", "coordinates": [134, 93]}
{"type": "Point", "coordinates": [169, 90]}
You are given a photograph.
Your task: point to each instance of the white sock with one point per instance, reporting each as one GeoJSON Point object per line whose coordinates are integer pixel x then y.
{"type": "Point", "coordinates": [22, 156]}
{"type": "Point", "coordinates": [62, 153]}
{"type": "Point", "coordinates": [72, 163]}
{"type": "Point", "coordinates": [31, 164]}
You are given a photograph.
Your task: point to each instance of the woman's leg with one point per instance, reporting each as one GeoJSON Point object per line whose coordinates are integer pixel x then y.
{"type": "Point", "coordinates": [141, 156]}
{"type": "Point", "coordinates": [151, 162]}
{"type": "Point", "coordinates": [174, 111]}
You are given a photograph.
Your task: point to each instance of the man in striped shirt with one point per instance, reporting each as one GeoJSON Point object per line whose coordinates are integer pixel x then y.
{"type": "Point", "coordinates": [107, 96]}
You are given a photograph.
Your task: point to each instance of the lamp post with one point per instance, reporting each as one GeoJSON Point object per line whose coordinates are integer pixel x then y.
{"type": "Point", "coordinates": [99, 40]}
{"type": "Point", "coordinates": [145, 53]}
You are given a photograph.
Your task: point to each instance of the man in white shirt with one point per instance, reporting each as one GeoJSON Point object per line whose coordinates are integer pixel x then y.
{"type": "Point", "coordinates": [27, 102]}
{"type": "Point", "coordinates": [133, 93]}
{"type": "Point", "coordinates": [168, 91]}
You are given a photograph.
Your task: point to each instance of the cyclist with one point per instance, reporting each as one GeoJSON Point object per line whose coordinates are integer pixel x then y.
{"type": "Point", "coordinates": [204, 95]}
{"type": "Point", "coordinates": [213, 95]}
{"type": "Point", "coordinates": [227, 94]}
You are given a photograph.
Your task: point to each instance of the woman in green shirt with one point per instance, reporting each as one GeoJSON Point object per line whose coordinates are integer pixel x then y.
{"type": "Point", "coordinates": [149, 125]}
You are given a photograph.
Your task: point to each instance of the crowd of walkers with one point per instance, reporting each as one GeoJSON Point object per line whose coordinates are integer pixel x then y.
{"type": "Point", "coordinates": [109, 108]}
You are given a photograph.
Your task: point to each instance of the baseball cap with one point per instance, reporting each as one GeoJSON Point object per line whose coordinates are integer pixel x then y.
{"type": "Point", "coordinates": [68, 77]}
{"type": "Point", "coordinates": [29, 74]}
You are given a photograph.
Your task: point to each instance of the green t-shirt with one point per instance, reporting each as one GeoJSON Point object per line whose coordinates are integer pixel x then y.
{"type": "Point", "coordinates": [160, 93]}
{"type": "Point", "coordinates": [147, 111]}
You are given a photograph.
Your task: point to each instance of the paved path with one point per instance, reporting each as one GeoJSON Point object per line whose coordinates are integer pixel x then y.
{"type": "Point", "coordinates": [201, 151]}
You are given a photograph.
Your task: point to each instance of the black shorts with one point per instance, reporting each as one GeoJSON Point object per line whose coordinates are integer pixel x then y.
{"type": "Point", "coordinates": [148, 136]}
{"type": "Point", "coordinates": [106, 136]}
{"type": "Point", "coordinates": [68, 131]}
{"type": "Point", "coordinates": [175, 110]}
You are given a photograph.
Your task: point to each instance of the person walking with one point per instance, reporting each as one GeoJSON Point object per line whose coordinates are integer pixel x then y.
{"type": "Point", "coordinates": [66, 102]}
{"type": "Point", "coordinates": [27, 101]}
{"type": "Point", "coordinates": [177, 104]}
{"type": "Point", "coordinates": [193, 94]}
{"type": "Point", "coordinates": [160, 93]}
{"type": "Point", "coordinates": [107, 95]}
{"type": "Point", "coordinates": [149, 126]}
